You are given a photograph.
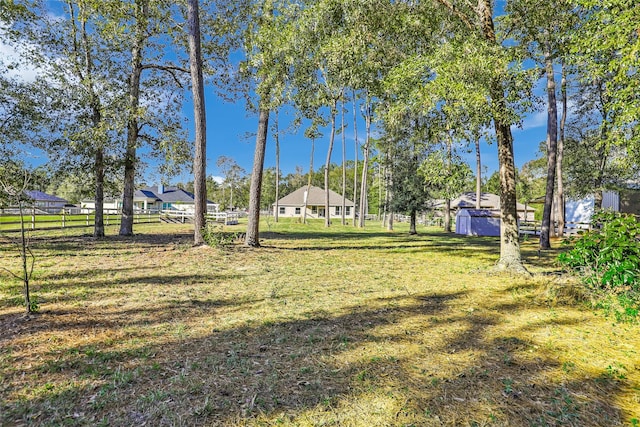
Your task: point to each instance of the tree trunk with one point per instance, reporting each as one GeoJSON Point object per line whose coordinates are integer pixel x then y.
{"type": "Point", "coordinates": [276, 138]}
{"type": "Point", "coordinates": [510, 258]}
{"type": "Point", "coordinates": [447, 204]}
{"type": "Point", "coordinates": [365, 167]}
{"type": "Point", "coordinates": [23, 256]}
{"type": "Point", "coordinates": [253, 232]}
{"type": "Point", "coordinates": [98, 227]}
{"type": "Point", "coordinates": [356, 145]}
{"type": "Point", "coordinates": [327, 163]}
{"type": "Point", "coordinates": [552, 147]}
{"type": "Point", "coordinates": [344, 164]}
{"type": "Point", "coordinates": [388, 194]}
{"type": "Point", "coordinates": [447, 215]}
{"type": "Point", "coordinates": [126, 222]}
{"type": "Point", "coordinates": [560, 213]}
{"type": "Point", "coordinates": [200, 158]}
{"type": "Point", "coordinates": [412, 222]}
{"type": "Point", "coordinates": [478, 174]}
{"type": "Point", "coordinates": [96, 120]}
{"type": "Point", "coordinates": [306, 197]}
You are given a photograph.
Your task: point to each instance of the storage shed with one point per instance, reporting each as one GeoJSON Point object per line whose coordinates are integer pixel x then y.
{"type": "Point", "coordinates": [477, 222]}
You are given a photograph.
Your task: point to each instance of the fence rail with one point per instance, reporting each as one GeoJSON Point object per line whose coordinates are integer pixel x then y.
{"type": "Point", "coordinates": [34, 220]}
{"type": "Point", "coordinates": [570, 228]}
{"type": "Point", "coordinates": [227, 218]}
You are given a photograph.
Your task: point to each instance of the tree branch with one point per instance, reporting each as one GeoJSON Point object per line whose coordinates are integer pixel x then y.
{"type": "Point", "coordinates": [465, 20]}
{"type": "Point", "coordinates": [171, 69]}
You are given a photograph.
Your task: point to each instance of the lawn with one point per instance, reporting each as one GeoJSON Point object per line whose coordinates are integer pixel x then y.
{"type": "Point", "coordinates": [319, 327]}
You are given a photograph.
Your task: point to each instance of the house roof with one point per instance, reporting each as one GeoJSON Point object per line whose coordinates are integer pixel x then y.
{"type": "Point", "coordinates": [316, 197]}
{"type": "Point", "coordinates": [169, 195]}
{"type": "Point", "coordinates": [40, 196]}
{"type": "Point", "coordinates": [487, 201]}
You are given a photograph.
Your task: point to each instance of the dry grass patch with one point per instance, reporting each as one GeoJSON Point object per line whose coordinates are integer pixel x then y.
{"type": "Point", "coordinates": [335, 327]}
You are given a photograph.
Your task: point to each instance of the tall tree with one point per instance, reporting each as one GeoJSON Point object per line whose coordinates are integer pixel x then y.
{"type": "Point", "coordinates": [541, 31]}
{"type": "Point", "coordinates": [64, 49]}
{"type": "Point", "coordinates": [146, 42]}
{"type": "Point", "coordinates": [479, 22]}
{"type": "Point", "coordinates": [200, 123]}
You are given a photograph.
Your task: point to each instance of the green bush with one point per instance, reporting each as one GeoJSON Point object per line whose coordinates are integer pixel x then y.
{"type": "Point", "coordinates": [214, 235]}
{"type": "Point", "coordinates": [607, 257]}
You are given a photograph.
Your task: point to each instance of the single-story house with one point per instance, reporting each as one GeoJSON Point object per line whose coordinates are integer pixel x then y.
{"type": "Point", "coordinates": [47, 202]}
{"type": "Point", "coordinates": [478, 222]}
{"type": "Point", "coordinates": [156, 199]}
{"type": "Point", "coordinates": [292, 205]}
{"type": "Point", "coordinates": [489, 201]}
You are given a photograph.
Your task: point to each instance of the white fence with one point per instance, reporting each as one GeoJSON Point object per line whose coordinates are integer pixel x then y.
{"type": "Point", "coordinates": [227, 218]}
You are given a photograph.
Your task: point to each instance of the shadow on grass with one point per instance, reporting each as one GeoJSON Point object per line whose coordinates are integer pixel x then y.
{"type": "Point", "coordinates": [411, 360]}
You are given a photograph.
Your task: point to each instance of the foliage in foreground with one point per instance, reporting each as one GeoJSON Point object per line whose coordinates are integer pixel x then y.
{"type": "Point", "coordinates": [607, 257]}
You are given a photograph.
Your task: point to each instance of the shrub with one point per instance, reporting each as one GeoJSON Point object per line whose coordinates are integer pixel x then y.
{"type": "Point", "coordinates": [607, 257]}
{"type": "Point", "coordinates": [214, 235]}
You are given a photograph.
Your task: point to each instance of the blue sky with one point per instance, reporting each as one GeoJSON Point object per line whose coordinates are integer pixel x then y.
{"type": "Point", "coordinates": [231, 133]}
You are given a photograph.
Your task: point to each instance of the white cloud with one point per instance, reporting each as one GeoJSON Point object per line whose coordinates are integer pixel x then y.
{"type": "Point", "coordinates": [533, 121]}
{"type": "Point", "coordinates": [19, 70]}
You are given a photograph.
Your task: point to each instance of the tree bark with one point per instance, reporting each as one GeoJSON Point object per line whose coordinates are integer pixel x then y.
{"type": "Point", "coordinates": [98, 227]}
{"type": "Point", "coordinates": [560, 213]}
{"type": "Point", "coordinates": [388, 194]}
{"type": "Point", "coordinates": [344, 164]}
{"type": "Point", "coordinates": [306, 197]}
{"type": "Point", "coordinates": [276, 138]}
{"type": "Point", "coordinates": [447, 204]}
{"type": "Point", "coordinates": [255, 190]}
{"type": "Point", "coordinates": [365, 166]}
{"type": "Point", "coordinates": [552, 146]}
{"type": "Point", "coordinates": [478, 174]}
{"type": "Point", "coordinates": [355, 165]}
{"type": "Point", "coordinates": [327, 163]}
{"type": "Point", "coordinates": [412, 222]}
{"type": "Point", "coordinates": [200, 123]}
{"type": "Point", "coordinates": [126, 222]}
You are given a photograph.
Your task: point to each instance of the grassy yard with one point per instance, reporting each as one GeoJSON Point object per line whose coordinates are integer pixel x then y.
{"type": "Point", "coordinates": [337, 327]}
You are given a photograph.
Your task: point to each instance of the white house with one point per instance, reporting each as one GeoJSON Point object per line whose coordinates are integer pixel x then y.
{"type": "Point", "coordinates": [156, 199]}
{"type": "Point", "coordinates": [292, 205]}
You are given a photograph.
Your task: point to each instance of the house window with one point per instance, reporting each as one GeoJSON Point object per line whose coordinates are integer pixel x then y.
{"type": "Point", "coordinates": [337, 210]}
{"type": "Point", "coordinates": [282, 210]}
{"type": "Point", "coordinates": [314, 210]}
{"type": "Point", "coordinates": [297, 211]}
{"type": "Point", "coordinates": [347, 210]}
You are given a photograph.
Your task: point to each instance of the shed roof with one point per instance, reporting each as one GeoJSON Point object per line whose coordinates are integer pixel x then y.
{"type": "Point", "coordinates": [478, 213]}
{"type": "Point", "coordinates": [316, 197]}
